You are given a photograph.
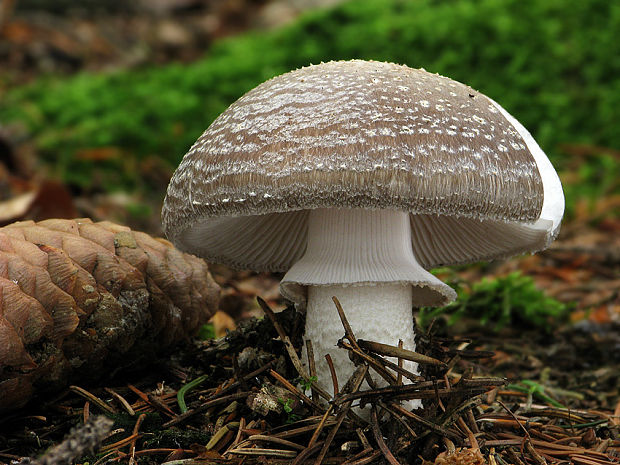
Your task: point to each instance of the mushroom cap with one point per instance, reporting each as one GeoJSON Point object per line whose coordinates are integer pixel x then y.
{"type": "Point", "coordinates": [363, 134]}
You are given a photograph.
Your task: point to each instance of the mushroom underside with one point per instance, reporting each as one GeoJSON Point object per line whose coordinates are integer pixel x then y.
{"type": "Point", "coordinates": [275, 241]}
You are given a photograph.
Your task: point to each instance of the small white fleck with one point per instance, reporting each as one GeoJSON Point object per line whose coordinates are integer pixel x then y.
{"type": "Point", "coordinates": [515, 146]}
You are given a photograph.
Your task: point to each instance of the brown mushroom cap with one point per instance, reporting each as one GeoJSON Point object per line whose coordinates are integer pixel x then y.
{"type": "Point", "coordinates": [358, 134]}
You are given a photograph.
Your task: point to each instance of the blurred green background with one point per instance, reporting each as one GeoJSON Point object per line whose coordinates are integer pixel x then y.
{"type": "Point", "coordinates": [554, 64]}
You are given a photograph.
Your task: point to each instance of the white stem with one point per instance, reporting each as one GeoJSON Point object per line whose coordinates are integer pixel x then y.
{"type": "Point", "coordinates": [380, 313]}
{"type": "Point", "coordinates": [365, 258]}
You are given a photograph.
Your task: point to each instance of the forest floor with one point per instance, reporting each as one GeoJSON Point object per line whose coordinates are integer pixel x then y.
{"type": "Point", "coordinates": [520, 395]}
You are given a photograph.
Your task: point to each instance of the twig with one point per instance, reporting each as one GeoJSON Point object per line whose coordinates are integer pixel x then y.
{"type": "Point", "coordinates": [363, 461]}
{"type": "Point", "coordinates": [86, 411]}
{"type": "Point", "coordinates": [122, 401]}
{"type": "Point", "coordinates": [237, 440]}
{"type": "Point", "coordinates": [359, 455]}
{"type": "Point", "coordinates": [399, 419]}
{"type": "Point", "coordinates": [237, 371]}
{"type": "Point", "coordinates": [293, 390]}
{"type": "Point", "coordinates": [221, 434]}
{"type": "Point", "coordinates": [514, 457]}
{"type": "Point", "coordinates": [206, 406]}
{"type": "Point", "coordinates": [266, 452]}
{"type": "Point", "coordinates": [407, 392]}
{"type": "Point", "coordinates": [393, 351]}
{"type": "Point", "coordinates": [93, 398]}
{"type": "Point", "coordinates": [363, 439]}
{"type": "Point", "coordinates": [136, 428]}
{"type": "Point", "coordinates": [307, 452]}
{"type": "Point", "coordinates": [320, 426]}
{"type": "Point", "coordinates": [470, 354]}
{"type": "Point", "coordinates": [374, 422]}
{"type": "Point", "coordinates": [471, 420]}
{"type": "Point", "coordinates": [152, 401]}
{"type": "Point", "coordinates": [486, 382]}
{"type": "Point", "coordinates": [381, 371]}
{"type": "Point", "coordinates": [303, 430]}
{"type": "Point", "coordinates": [284, 338]}
{"type": "Point", "coordinates": [472, 438]}
{"type": "Point", "coordinates": [450, 416]}
{"type": "Point", "coordinates": [312, 368]}
{"type": "Point", "coordinates": [537, 457]}
{"type": "Point", "coordinates": [246, 378]}
{"type": "Point", "coordinates": [332, 371]}
{"type": "Point", "coordinates": [514, 417]}
{"type": "Point", "coordinates": [143, 452]}
{"type": "Point", "coordinates": [442, 407]}
{"type": "Point", "coordinates": [394, 366]}
{"type": "Point", "coordinates": [348, 331]}
{"type": "Point", "coordinates": [282, 442]}
{"type": "Point", "coordinates": [418, 419]}
{"type": "Point", "coordinates": [290, 349]}
{"type": "Point", "coordinates": [121, 443]}
{"type": "Point", "coordinates": [399, 376]}
{"type": "Point", "coordinates": [352, 385]}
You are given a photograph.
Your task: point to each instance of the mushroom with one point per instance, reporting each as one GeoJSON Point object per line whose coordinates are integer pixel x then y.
{"type": "Point", "coordinates": [355, 178]}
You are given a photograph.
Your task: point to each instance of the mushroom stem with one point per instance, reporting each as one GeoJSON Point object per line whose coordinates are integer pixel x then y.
{"type": "Point", "coordinates": [365, 259]}
{"type": "Point", "coordinates": [379, 313]}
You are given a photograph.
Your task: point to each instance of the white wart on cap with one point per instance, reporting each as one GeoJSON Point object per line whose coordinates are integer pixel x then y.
{"type": "Point", "coordinates": [424, 171]}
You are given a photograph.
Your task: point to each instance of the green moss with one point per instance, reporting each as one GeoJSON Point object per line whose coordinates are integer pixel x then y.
{"type": "Point", "coordinates": [206, 331]}
{"type": "Point", "coordinates": [496, 303]}
{"type": "Point", "coordinates": [152, 420]}
{"type": "Point", "coordinates": [556, 68]}
{"type": "Point", "coordinates": [176, 438]}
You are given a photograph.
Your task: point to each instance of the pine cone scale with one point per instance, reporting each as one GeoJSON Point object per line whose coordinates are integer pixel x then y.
{"type": "Point", "coordinates": [78, 298]}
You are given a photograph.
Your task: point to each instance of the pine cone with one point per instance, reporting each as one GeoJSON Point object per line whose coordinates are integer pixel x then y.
{"type": "Point", "coordinates": [79, 298]}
